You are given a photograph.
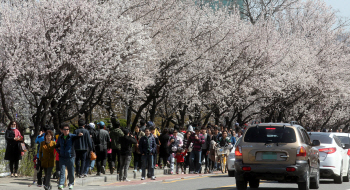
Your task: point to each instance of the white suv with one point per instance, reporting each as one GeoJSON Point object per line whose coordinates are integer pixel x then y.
{"type": "Point", "coordinates": [334, 161]}
{"type": "Point", "coordinates": [231, 160]}
{"type": "Point", "coordinates": [345, 140]}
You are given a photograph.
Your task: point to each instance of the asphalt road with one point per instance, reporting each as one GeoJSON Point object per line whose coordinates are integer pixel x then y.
{"type": "Point", "coordinates": [205, 182]}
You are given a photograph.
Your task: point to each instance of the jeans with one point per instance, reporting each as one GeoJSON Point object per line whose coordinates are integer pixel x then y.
{"type": "Point", "coordinates": [47, 172]}
{"type": "Point", "coordinates": [137, 161]}
{"type": "Point", "coordinates": [14, 163]}
{"type": "Point", "coordinates": [101, 160]}
{"type": "Point", "coordinates": [124, 165]}
{"type": "Point", "coordinates": [172, 161]}
{"type": "Point", "coordinates": [69, 164]}
{"type": "Point", "coordinates": [80, 161]}
{"type": "Point", "coordinates": [195, 160]}
{"type": "Point", "coordinates": [147, 160]}
{"type": "Point", "coordinates": [115, 158]}
{"type": "Point", "coordinates": [87, 165]}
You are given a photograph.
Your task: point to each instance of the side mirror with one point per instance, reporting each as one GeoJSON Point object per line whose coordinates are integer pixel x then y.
{"type": "Point", "coordinates": [316, 143]}
{"type": "Point", "coordinates": [346, 146]}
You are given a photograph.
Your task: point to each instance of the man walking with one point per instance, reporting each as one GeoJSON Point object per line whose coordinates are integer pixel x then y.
{"type": "Point", "coordinates": [147, 147]}
{"type": "Point", "coordinates": [116, 133]}
{"type": "Point", "coordinates": [101, 140]}
{"type": "Point", "coordinates": [82, 145]}
{"type": "Point", "coordinates": [65, 148]}
{"type": "Point", "coordinates": [125, 155]}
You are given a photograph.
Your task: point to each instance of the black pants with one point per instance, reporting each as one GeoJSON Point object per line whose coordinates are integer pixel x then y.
{"type": "Point", "coordinates": [101, 159]}
{"type": "Point", "coordinates": [181, 166]}
{"type": "Point", "coordinates": [48, 176]}
{"type": "Point", "coordinates": [80, 160]}
{"type": "Point", "coordinates": [164, 158]}
{"type": "Point", "coordinates": [115, 158]}
{"type": "Point", "coordinates": [40, 172]}
{"type": "Point", "coordinates": [137, 161]}
{"type": "Point", "coordinates": [187, 161]}
{"type": "Point", "coordinates": [205, 156]}
{"type": "Point", "coordinates": [15, 168]}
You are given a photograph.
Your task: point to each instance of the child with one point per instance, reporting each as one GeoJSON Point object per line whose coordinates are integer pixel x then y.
{"type": "Point", "coordinates": [180, 154]}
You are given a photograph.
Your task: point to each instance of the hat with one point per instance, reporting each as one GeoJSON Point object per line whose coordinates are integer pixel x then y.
{"type": "Point", "coordinates": [92, 125]}
{"type": "Point", "coordinates": [237, 124]}
{"type": "Point", "coordinates": [81, 122]}
{"type": "Point", "coordinates": [101, 123]}
{"type": "Point", "coordinates": [150, 124]}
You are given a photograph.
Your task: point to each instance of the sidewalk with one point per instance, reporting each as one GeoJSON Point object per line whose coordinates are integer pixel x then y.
{"type": "Point", "coordinates": [107, 179]}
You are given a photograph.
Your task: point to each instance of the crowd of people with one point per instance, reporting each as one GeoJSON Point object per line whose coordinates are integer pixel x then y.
{"type": "Point", "coordinates": [76, 154]}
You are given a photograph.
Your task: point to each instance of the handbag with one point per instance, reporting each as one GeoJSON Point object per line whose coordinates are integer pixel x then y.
{"type": "Point", "coordinates": [22, 147]}
{"type": "Point", "coordinates": [93, 156]}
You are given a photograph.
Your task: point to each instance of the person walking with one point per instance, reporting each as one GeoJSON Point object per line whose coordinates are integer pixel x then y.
{"type": "Point", "coordinates": [125, 154]}
{"type": "Point", "coordinates": [195, 158]}
{"type": "Point", "coordinates": [205, 148]}
{"type": "Point", "coordinates": [147, 147]}
{"type": "Point", "coordinates": [90, 164]}
{"type": "Point", "coordinates": [13, 153]}
{"type": "Point", "coordinates": [137, 154]}
{"type": "Point", "coordinates": [180, 160]}
{"type": "Point", "coordinates": [115, 134]}
{"type": "Point", "coordinates": [47, 157]}
{"type": "Point", "coordinates": [81, 146]}
{"type": "Point", "coordinates": [163, 149]}
{"type": "Point", "coordinates": [40, 138]}
{"type": "Point", "coordinates": [101, 140]}
{"type": "Point", "coordinates": [187, 157]}
{"type": "Point", "coordinates": [65, 148]}
{"type": "Point", "coordinates": [173, 144]}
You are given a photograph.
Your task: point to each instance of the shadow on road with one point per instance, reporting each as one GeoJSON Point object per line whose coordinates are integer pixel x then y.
{"type": "Point", "coordinates": [234, 188]}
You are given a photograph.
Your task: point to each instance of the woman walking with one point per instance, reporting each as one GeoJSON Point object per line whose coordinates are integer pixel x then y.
{"type": "Point", "coordinates": [47, 157]}
{"type": "Point", "coordinates": [13, 153]}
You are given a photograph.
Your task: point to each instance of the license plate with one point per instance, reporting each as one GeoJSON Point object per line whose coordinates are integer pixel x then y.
{"type": "Point", "coordinates": [269, 156]}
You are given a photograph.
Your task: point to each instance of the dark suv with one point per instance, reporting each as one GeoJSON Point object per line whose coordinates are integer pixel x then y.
{"type": "Point", "coordinates": [278, 152]}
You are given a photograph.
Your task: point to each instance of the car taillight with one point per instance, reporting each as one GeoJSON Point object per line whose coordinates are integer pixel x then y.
{"type": "Point", "coordinates": [246, 168]}
{"type": "Point", "coordinates": [348, 152]}
{"type": "Point", "coordinates": [238, 151]}
{"type": "Point", "coordinates": [290, 169]}
{"type": "Point", "coordinates": [301, 152]}
{"type": "Point", "coordinates": [328, 150]}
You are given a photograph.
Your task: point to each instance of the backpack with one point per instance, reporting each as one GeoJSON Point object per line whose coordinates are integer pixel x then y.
{"type": "Point", "coordinates": [173, 146]}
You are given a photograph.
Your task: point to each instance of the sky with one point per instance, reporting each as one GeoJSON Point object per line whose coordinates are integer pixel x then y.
{"type": "Point", "coordinates": [342, 6]}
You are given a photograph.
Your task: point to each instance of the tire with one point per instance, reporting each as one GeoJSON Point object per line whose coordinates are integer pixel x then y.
{"type": "Point", "coordinates": [347, 177]}
{"type": "Point", "coordinates": [315, 183]}
{"type": "Point", "coordinates": [254, 183]}
{"type": "Point", "coordinates": [305, 185]}
{"type": "Point", "coordinates": [241, 184]}
{"type": "Point", "coordinates": [222, 164]}
{"type": "Point", "coordinates": [339, 179]}
{"type": "Point", "coordinates": [231, 173]}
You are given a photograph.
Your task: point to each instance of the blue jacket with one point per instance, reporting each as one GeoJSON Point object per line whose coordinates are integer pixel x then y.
{"type": "Point", "coordinates": [66, 146]}
{"type": "Point", "coordinates": [143, 145]}
{"type": "Point", "coordinates": [38, 140]}
{"type": "Point", "coordinates": [83, 143]}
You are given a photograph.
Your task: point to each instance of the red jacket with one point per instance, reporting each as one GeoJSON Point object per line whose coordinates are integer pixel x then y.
{"type": "Point", "coordinates": [180, 157]}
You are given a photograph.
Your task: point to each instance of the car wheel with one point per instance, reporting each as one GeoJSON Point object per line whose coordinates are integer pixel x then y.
{"type": "Point", "coordinates": [315, 184]}
{"type": "Point", "coordinates": [254, 183]}
{"type": "Point", "coordinates": [339, 179]}
{"type": "Point", "coordinates": [231, 173]}
{"type": "Point", "coordinates": [241, 184]}
{"type": "Point", "coordinates": [347, 177]}
{"type": "Point", "coordinates": [305, 185]}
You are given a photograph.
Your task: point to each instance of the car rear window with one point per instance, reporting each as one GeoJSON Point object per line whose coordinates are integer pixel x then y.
{"type": "Point", "coordinates": [344, 140]}
{"type": "Point", "coordinates": [324, 139]}
{"type": "Point", "coordinates": [266, 134]}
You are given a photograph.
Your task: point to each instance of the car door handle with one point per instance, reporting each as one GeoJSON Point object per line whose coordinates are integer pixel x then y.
{"type": "Point", "coordinates": [284, 156]}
